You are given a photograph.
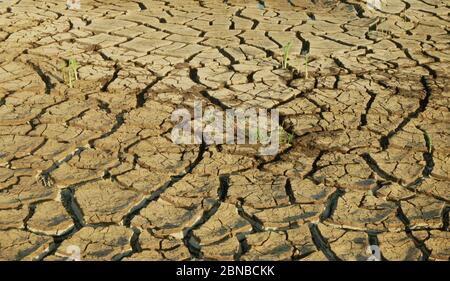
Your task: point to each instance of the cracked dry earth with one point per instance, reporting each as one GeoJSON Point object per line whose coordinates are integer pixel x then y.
{"type": "Point", "coordinates": [93, 166]}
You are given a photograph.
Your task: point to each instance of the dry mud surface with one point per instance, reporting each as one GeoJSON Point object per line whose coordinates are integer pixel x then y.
{"type": "Point", "coordinates": [93, 166]}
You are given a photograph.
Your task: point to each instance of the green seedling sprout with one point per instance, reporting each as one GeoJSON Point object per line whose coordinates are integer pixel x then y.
{"type": "Point", "coordinates": [70, 72]}
{"type": "Point", "coordinates": [260, 138]}
{"type": "Point", "coordinates": [286, 51]}
{"type": "Point", "coordinates": [428, 141]}
{"type": "Point", "coordinates": [285, 136]}
{"type": "Point", "coordinates": [305, 52]}
{"type": "Point", "coordinates": [290, 138]}
{"type": "Point", "coordinates": [306, 66]}
{"type": "Point", "coordinates": [73, 65]}
{"type": "Point", "coordinates": [258, 135]}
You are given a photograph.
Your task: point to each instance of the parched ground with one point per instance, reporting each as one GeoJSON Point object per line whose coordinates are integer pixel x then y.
{"type": "Point", "coordinates": [94, 167]}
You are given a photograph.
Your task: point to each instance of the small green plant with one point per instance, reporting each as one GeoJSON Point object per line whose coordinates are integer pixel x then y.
{"type": "Point", "coordinates": [285, 136]}
{"type": "Point", "coordinates": [70, 72]}
{"type": "Point", "coordinates": [428, 141]}
{"type": "Point", "coordinates": [290, 138]}
{"type": "Point", "coordinates": [262, 138]}
{"type": "Point", "coordinates": [286, 51]}
{"type": "Point", "coordinates": [306, 66]}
